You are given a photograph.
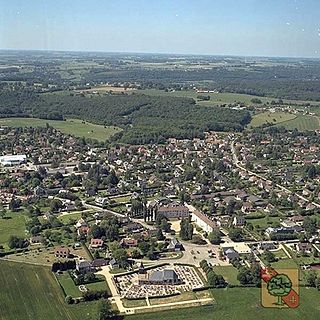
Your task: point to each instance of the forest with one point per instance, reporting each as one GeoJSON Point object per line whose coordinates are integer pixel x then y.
{"type": "Point", "coordinates": [145, 119]}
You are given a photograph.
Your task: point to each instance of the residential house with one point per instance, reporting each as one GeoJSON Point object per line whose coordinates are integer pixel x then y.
{"type": "Point", "coordinates": [128, 243]}
{"type": "Point", "coordinates": [96, 243]}
{"type": "Point", "coordinates": [62, 253]}
{"type": "Point", "coordinates": [238, 221]}
{"type": "Point", "coordinates": [174, 245]}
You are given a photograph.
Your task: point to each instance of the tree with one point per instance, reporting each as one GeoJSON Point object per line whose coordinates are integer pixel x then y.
{"type": "Point", "coordinates": [160, 235]}
{"type": "Point", "coordinates": [270, 257]}
{"type": "Point", "coordinates": [311, 279]}
{"type": "Point", "coordinates": [186, 229]}
{"type": "Point", "coordinates": [312, 172]}
{"type": "Point", "coordinates": [17, 242]}
{"type": "Point", "coordinates": [55, 205]}
{"type": "Point", "coordinates": [121, 257]}
{"type": "Point", "coordinates": [214, 237]}
{"type": "Point", "coordinates": [14, 204]}
{"type": "Point", "coordinates": [236, 234]}
{"type": "Point", "coordinates": [279, 286]}
{"type": "Point", "coordinates": [105, 311]}
{"type": "Point", "coordinates": [310, 225]}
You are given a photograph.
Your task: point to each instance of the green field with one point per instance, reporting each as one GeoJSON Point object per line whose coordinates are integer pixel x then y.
{"type": "Point", "coordinates": [68, 285]}
{"type": "Point", "coordinates": [14, 223]}
{"type": "Point", "coordinates": [216, 98]}
{"type": "Point", "coordinates": [242, 304]}
{"type": "Point", "coordinates": [67, 217]}
{"type": "Point", "coordinates": [302, 123]}
{"type": "Point", "coordinates": [270, 117]}
{"type": "Point", "coordinates": [30, 292]}
{"type": "Point", "coordinates": [230, 273]}
{"type": "Point", "coordinates": [74, 127]}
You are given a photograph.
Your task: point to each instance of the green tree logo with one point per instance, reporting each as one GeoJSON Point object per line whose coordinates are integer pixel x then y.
{"type": "Point", "coordinates": [279, 286]}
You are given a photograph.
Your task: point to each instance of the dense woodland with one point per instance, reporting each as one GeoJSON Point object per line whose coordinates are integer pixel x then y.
{"type": "Point", "coordinates": [144, 119]}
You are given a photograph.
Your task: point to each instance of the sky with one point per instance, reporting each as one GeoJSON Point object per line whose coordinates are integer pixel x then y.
{"type": "Point", "coordinates": [289, 28]}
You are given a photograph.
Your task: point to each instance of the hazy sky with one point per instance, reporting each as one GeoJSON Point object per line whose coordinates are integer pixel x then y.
{"type": "Point", "coordinates": [237, 27]}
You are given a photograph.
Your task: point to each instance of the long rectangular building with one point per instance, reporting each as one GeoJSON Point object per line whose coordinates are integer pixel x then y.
{"type": "Point", "coordinates": [13, 160]}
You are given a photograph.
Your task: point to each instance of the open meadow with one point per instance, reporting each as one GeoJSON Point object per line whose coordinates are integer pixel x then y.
{"type": "Point", "coordinates": [78, 128]}
{"type": "Point", "coordinates": [270, 118]}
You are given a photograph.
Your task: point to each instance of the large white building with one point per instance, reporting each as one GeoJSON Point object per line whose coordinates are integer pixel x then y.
{"type": "Point", "coordinates": [203, 221]}
{"type": "Point", "coordinates": [12, 160]}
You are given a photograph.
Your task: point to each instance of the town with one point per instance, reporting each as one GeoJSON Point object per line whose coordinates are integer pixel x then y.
{"type": "Point", "coordinates": [152, 226]}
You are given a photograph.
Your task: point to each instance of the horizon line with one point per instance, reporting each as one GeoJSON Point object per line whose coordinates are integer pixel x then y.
{"type": "Point", "coordinates": [161, 53]}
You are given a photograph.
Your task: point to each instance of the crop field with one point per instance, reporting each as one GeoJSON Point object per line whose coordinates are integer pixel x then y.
{"type": "Point", "coordinates": [14, 223]}
{"type": "Point", "coordinates": [30, 292]}
{"type": "Point", "coordinates": [241, 304]}
{"type": "Point", "coordinates": [74, 127]}
{"type": "Point", "coordinates": [303, 123]}
{"type": "Point", "coordinates": [271, 118]}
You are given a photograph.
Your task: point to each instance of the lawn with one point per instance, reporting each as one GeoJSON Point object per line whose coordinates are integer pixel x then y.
{"type": "Point", "coordinates": [241, 304]}
{"type": "Point", "coordinates": [230, 273]}
{"type": "Point", "coordinates": [98, 286]}
{"type": "Point", "coordinates": [30, 292]}
{"type": "Point", "coordinates": [302, 123]}
{"type": "Point", "coordinates": [74, 127]}
{"type": "Point", "coordinates": [65, 218]}
{"type": "Point", "coordinates": [68, 285]}
{"type": "Point", "coordinates": [14, 223]}
{"type": "Point", "coordinates": [270, 117]}
{"type": "Point", "coordinates": [263, 223]}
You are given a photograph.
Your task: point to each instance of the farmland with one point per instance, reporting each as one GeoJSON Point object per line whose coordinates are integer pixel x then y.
{"type": "Point", "coordinates": [242, 304]}
{"type": "Point", "coordinates": [302, 123]}
{"type": "Point", "coordinates": [74, 127]}
{"type": "Point", "coordinates": [31, 292]}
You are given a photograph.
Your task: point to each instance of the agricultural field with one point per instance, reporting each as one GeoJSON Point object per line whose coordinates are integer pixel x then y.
{"type": "Point", "coordinates": [270, 117]}
{"type": "Point", "coordinates": [74, 127]}
{"type": "Point", "coordinates": [241, 304]}
{"type": "Point", "coordinates": [13, 223]}
{"type": "Point", "coordinates": [30, 292]}
{"type": "Point", "coordinates": [303, 123]}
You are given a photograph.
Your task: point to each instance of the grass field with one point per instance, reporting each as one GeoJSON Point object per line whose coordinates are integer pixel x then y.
{"type": "Point", "coordinates": [241, 304]}
{"type": "Point", "coordinates": [270, 117]}
{"type": "Point", "coordinates": [216, 98]}
{"type": "Point", "coordinates": [14, 223]}
{"type": "Point", "coordinates": [74, 127]}
{"type": "Point", "coordinates": [302, 123]}
{"type": "Point", "coordinates": [68, 285]}
{"type": "Point", "coordinates": [230, 273]}
{"type": "Point", "coordinates": [30, 292]}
